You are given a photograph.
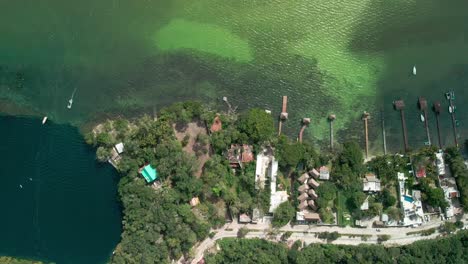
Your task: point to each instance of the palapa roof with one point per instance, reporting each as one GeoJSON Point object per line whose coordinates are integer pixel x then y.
{"type": "Point", "coordinates": [303, 197]}
{"type": "Point", "coordinates": [303, 188]}
{"type": "Point", "coordinates": [313, 183]}
{"type": "Point", "coordinates": [303, 178]}
{"type": "Point", "coordinates": [217, 124]}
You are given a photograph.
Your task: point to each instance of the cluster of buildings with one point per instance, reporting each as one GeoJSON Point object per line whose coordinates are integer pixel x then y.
{"type": "Point", "coordinates": [267, 169]}
{"type": "Point", "coordinates": [411, 205]}
{"type": "Point", "coordinates": [449, 186]}
{"type": "Point", "coordinates": [307, 208]}
{"type": "Point", "coordinates": [266, 172]}
{"type": "Point", "coordinates": [239, 155]}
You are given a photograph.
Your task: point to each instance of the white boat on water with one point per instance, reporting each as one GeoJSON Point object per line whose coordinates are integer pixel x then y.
{"type": "Point", "coordinates": [70, 103]}
{"type": "Point", "coordinates": [414, 70]}
{"type": "Point", "coordinates": [44, 120]}
{"type": "Point", "coordinates": [422, 118]}
{"type": "Point", "coordinates": [452, 109]}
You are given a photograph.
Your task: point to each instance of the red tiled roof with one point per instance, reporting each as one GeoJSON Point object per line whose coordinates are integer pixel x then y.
{"type": "Point", "coordinates": [247, 155]}
{"type": "Point", "coordinates": [421, 173]}
{"type": "Point", "coordinates": [217, 124]}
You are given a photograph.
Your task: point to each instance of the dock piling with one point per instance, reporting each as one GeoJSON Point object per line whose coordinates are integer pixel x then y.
{"type": "Point", "coordinates": [284, 114]}
{"type": "Point", "coordinates": [383, 132]}
{"type": "Point", "coordinates": [436, 107]}
{"type": "Point", "coordinates": [423, 106]}
{"type": "Point", "coordinates": [454, 126]}
{"type": "Point", "coordinates": [365, 117]}
{"type": "Point", "coordinates": [305, 123]}
{"type": "Point", "coordinates": [400, 105]}
{"type": "Point", "coordinates": [331, 118]}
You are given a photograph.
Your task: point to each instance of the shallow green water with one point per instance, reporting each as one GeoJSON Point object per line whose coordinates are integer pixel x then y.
{"type": "Point", "coordinates": [327, 56]}
{"type": "Point", "coordinates": [58, 204]}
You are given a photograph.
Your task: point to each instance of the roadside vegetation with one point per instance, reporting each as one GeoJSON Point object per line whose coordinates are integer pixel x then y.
{"type": "Point", "coordinates": [451, 249]}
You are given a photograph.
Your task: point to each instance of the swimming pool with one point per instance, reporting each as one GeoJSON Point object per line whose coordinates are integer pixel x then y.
{"type": "Point", "coordinates": [408, 199]}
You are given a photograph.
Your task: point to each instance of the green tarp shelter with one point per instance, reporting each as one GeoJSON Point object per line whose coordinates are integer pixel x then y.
{"type": "Point", "coordinates": [149, 173]}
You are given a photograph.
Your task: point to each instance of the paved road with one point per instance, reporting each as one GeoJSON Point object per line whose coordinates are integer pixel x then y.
{"type": "Point", "coordinates": [307, 234]}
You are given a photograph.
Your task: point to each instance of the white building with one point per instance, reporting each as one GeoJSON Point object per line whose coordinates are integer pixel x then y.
{"type": "Point", "coordinates": [411, 205]}
{"type": "Point", "coordinates": [440, 163]}
{"type": "Point", "coordinates": [371, 183]}
{"type": "Point", "coordinates": [263, 162]}
{"type": "Point", "coordinates": [324, 173]}
{"type": "Point", "coordinates": [119, 147]}
{"type": "Point", "coordinates": [267, 166]}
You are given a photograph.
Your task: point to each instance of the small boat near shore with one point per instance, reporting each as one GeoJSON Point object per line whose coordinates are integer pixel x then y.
{"type": "Point", "coordinates": [452, 109]}
{"type": "Point", "coordinates": [450, 95]}
{"type": "Point", "coordinates": [44, 120]}
{"type": "Point", "coordinates": [70, 103]}
{"type": "Point", "coordinates": [422, 118]}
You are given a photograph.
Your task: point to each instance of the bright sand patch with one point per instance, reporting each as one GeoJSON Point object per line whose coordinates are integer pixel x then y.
{"type": "Point", "coordinates": [209, 38]}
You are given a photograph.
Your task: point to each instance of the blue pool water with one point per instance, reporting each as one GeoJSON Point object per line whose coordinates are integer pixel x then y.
{"type": "Point", "coordinates": [408, 199]}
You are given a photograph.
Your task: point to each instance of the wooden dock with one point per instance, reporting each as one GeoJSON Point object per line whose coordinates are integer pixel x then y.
{"type": "Point", "coordinates": [382, 118]}
{"type": "Point", "coordinates": [400, 106]}
{"type": "Point", "coordinates": [284, 114]}
{"type": "Point", "coordinates": [305, 123]}
{"type": "Point", "coordinates": [423, 106]}
{"type": "Point", "coordinates": [436, 107]}
{"type": "Point", "coordinates": [454, 121]}
{"type": "Point", "coordinates": [365, 117]}
{"type": "Point", "coordinates": [331, 118]}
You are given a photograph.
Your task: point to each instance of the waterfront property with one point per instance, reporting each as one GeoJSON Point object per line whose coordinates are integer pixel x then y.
{"type": "Point", "coordinates": [217, 124]}
{"type": "Point", "coordinates": [451, 195]}
{"type": "Point", "coordinates": [440, 163]}
{"type": "Point", "coordinates": [276, 197]}
{"type": "Point", "coordinates": [411, 205]}
{"type": "Point", "coordinates": [371, 183]}
{"type": "Point", "coordinates": [115, 154]}
{"type": "Point", "coordinates": [307, 206]}
{"type": "Point", "coordinates": [239, 154]}
{"type": "Point", "coordinates": [149, 173]}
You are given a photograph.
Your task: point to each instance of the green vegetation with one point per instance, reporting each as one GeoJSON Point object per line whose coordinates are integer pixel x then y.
{"type": "Point", "coordinates": [426, 232]}
{"type": "Point", "coordinates": [159, 224]}
{"type": "Point", "coordinates": [257, 125]}
{"type": "Point", "coordinates": [12, 260]}
{"type": "Point", "coordinates": [283, 214]}
{"type": "Point", "coordinates": [383, 238]}
{"type": "Point", "coordinates": [450, 249]}
{"type": "Point", "coordinates": [329, 236]}
{"type": "Point", "coordinates": [447, 227]}
{"type": "Point", "coordinates": [460, 172]}
{"type": "Point", "coordinates": [347, 173]}
{"type": "Point", "coordinates": [243, 231]}
{"type": "Point", "coordinates": [286, 235]}
{"type": "Point", "coordinates": [430, 195]}
{"type": "Point", "coordinates": [249, 251]}
{"type": "Point", "coordinates": [326, 195]}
